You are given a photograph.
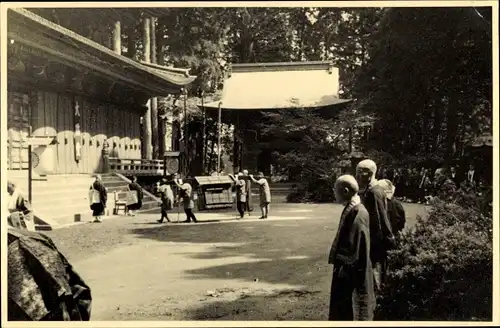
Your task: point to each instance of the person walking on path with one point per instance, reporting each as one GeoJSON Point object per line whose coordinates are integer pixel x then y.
{"type": "Point", "coordinates": [134, 186]}
{"type": "Point", "coordinates": [20, 210]}
{"type": "Point", "coordinates": [186, 194]}
{"type": "Point", "coordinates": [381, 235]}
{"type": "Point", "coordinates": [241, 193]}
{"type": "Point", "coordinates": [264, 193]}
{"type": "Point", "coordinates": [167, 200]}
{"type": "Point", "coordinates": [352, 295]}
{"type": "Point", "coordinates": [248, 188]}
{"type": "Point", "coordinates": [98, 196]}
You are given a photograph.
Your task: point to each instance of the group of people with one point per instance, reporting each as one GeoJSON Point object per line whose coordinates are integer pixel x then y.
{"type": "Point", "coordinates": [184, 194]}
{"type": "Point", "coordinates": [368, 229]}
{"type": "Point", "coordinates": [419, 185]}
{"type": "Point", "coordinates": [243, 184]}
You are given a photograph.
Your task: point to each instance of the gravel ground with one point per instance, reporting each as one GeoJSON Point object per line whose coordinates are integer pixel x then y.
{"type": "Point", "coordinates": [218, 269]}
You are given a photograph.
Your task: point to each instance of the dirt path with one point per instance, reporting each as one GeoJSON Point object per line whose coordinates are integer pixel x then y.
{"type": "Point", "coordinates": [223, 269]}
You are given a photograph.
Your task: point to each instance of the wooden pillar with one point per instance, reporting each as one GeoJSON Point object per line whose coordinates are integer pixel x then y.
{"type": "Point", "coordinates": [154, 101]}
{"type": "Point", "coordinates": [131, 47]}
{"type": "Point", "coordinates": [163, 143]}
{"type": "Point", "coordinates": [147, 132]}
{"type": "Point", "coordinates": [117, 38]}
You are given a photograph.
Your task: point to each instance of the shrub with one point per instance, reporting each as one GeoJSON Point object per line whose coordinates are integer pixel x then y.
{"type": "Point", "coordinates": [442, 268]}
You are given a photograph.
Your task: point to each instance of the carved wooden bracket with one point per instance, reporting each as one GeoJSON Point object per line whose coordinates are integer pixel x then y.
{"type": "Point", "coordinates": [78, 79]}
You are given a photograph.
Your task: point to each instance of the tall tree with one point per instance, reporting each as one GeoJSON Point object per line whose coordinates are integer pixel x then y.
{"type": "Point", "coordinates": [428, 80]}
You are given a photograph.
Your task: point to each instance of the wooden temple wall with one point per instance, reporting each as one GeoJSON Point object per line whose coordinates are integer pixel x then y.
{"type": "Point", "coordinates": [53, 114]}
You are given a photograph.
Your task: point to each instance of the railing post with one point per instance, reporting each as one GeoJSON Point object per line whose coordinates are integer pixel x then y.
{"type": "Point", "coordinates": [105, 157]}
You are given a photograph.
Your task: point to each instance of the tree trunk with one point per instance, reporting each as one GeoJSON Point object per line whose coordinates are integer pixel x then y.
{"type": "Point", "coordinates": [147, 132]}
{"type": "Point", "coordinates": [117, 38]}
{"type": "Point", "coordinates": [154, 101]}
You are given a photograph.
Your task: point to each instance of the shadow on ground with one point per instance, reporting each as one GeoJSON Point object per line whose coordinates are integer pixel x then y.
{"type": "Point", "coordinates": [294, 304]}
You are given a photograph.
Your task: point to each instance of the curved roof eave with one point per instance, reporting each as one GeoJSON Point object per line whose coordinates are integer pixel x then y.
{"type": "Point", "coordinates": [175, 78]}
{"type": "Point", "coordinates": [319, 104]}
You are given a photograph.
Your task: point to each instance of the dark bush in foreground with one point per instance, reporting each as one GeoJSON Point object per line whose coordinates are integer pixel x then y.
{"type": "Point", "coordinates": [442, 269]}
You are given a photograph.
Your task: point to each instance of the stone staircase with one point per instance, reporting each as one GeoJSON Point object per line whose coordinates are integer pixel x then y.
{"type": "Point", "coordinates": [116, 182]}
{"type": "Point", "coordinates": [63, 199]}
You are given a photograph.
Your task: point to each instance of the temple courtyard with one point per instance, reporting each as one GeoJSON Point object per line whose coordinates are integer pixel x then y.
{"type": "Point", "coordinates": [221, 268]}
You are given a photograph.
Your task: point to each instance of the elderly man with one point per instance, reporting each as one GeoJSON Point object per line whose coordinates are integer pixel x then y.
{"type": "Point", "coordinates": [381, 235]}
{"type": "Point", "coordinates": [352, 295]}
{"type": "Point", "coordinates": [19, 206]}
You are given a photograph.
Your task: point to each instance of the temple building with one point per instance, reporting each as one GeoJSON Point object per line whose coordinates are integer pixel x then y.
{"type": "Point", "coordinates": [250, 89]}
{"type": "Point", "coordinates": [73, 101]}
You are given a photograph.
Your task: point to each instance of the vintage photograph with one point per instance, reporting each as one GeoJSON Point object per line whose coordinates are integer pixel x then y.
{"type": "Point", "coordinates": [249, 163]}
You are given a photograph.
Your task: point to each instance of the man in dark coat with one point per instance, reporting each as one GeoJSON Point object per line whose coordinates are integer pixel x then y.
{"type": "Point", "coordinates": [352, 295]}
{"type": "Point", "coordinates": [381, 235]}
{"type": "Point", "coordinates": [42, 285]}
{"type": "Point", "coordinates": [135, 186]}
{"type": "Point", "coordinates": [98, 198]}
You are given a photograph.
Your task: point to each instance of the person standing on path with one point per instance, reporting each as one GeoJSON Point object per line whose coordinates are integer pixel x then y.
{"type": "Point", "coordinates": [248, 188]}
{"type": "Point", "coordinates": [264, 194]}
{"type": "Point", "coordinates": [98, 198]}
{"type": "Point", "coordinates": [241, 193]}
{"type": "Point", "coordinates": [186, 194]}
{"type": "Point", "coordinates": [135, 186]}
{"type": "Point", "coordinates": [381, 235]}
{"type": "Point", "coordinates": [19, 207]}
{"type": "Point", "coordinates": [167, 200]}
{"type": "Point", "coordinates": [352, 295]}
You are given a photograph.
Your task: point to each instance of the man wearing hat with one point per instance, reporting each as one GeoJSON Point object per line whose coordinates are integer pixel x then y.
{"type": "Point", "coordinates": [264, 193]}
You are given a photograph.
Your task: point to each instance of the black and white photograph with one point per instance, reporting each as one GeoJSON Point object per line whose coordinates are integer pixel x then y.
{"type": "Point", "coordinates": [249, 162]}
